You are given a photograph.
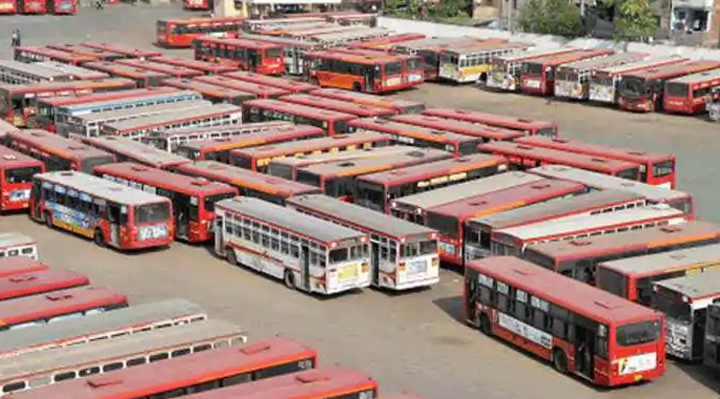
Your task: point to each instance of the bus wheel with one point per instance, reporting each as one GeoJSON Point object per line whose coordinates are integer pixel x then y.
{"type": "Point", "coordinates": [289, 279]}
{"type": "Point", "coordinates": [357, 87]}
{"type": "Point", "coordinates": [485, 326]}
{"type": "Point", "coordinates": [230, 256]}
{"type": "Point", "coordinates": [99, 238]}
{"type": "Point", "coordinates": [559, 360]}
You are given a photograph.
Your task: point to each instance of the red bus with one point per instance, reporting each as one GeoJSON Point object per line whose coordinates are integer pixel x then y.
{"type": "Point", "coordinates": [377, 190]}
{"type": "Point", "coordinates": [360, 110]}
{"type": "Point", "coordinates": [449, 219]}
{"type": "Point", "coordinates": [37, 54]}
{"type": "Point", "coordinates": [291, 86]}
{"type": "Point", "coordinates": [16, 172]}
{"type": "Point", "coordinates": [62, 7]}
{"type": "Point", "coordinates": [128, 52]}
{"type": "Point", "coordinates": [193, 199]}
{"type": "Point", "coordinates": [19, 102]}
{"type": "Point", "coordinates": [412, 65]}
{"type": "Point", "coordinates": [55, 306]}
{"type": "Point", "coordinates": [487, 133]}
{"type": "Point", "coordinates": [141, 77]}
{"type": "Point", "coordinates": [527, 126]}
{"type": "Point", "coordinates": [250, 55]}
{"type": "Point", "coordinates": [252, 184]}
{"type": "Point", "coordinates": [332, 122]}
{"type": "Point", "coordinates": [689, 94]}
{"type": "Point", "coordinates": [260, 91]}
{"type": "Point", "coordinates": [8, 7]}
{"type": "Point", "coordinates": [538, 74]}
{"type": "Point", "coordinates": [126, 150]}
{"type": "Point", "coordinates": [57, 152]}
{"type": "Point", "coordinates": [523, 156]}
{"type": "Point", "coordinates": [100, 55]}
{"type": "Point", "coordinates": [212, 93]}
{"type": "Point", "coordinates": [175, 71]}
{"type": "Point", "coordinates": [398, 105]}
{"type": "Point", "coordinates": [179, 33]}
{"type": "Point", "coordinates": [32, 6]}
{"type": "Point", "coordinates": [580, 329]}
{"type": "Point", "coordinates": [372, 44]}
{"type": "Point", "coordinates": [198, 4]}
{"type": "Point", "coordinates": [207, 68]}
{"type": "Point", "coordinates": [219, 149]}
{"type": "Point", "coordinates": [294, 50]}
{"type": "Point", "coordinates": [642, 91]}
{"type": "Point", "coordinates": [456, 144]}
{"type": "Point", "coordinates": [39, 282]}
{"type": "Point", "coordinates": [655, 169]}
{"type": "Point", "coordinates": [19, 265]}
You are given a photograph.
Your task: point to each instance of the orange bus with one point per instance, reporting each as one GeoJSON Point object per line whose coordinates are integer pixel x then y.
{"type": "Point", "coordinates": [250, 55]}
{"type": "Point", "coordinates": [179, 33]}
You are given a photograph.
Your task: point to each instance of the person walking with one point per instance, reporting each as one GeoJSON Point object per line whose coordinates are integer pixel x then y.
{"type": "Point", "coordinates": [15, 40]}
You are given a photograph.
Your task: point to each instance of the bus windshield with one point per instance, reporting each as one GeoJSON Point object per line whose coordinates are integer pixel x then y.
{"type": "Point", "coordinates": [393, 68]}
{"type": "Point", "coordinates": [273, 53]}
{"type": "Point", "coordinates": [414, 64]}
{"type": "Point", "coordinates": [419, 248]}
{"type": "Point", "coordinates": [89, 164]}
{"type": "Point", "coordinates": [533, 68]}
{"type": "Point", "coordinates": [676, 89]}
{"type": "Point", "coordinates": [633, 87]}
{"type": "Point", "coordinates": [211, 200]}
{"type": "Point", "coordinates": [630, 174]}
{"type": "Point", "coordinates": [345, 254]}
{"type": "Point", "coordinates": [671, 306]}
{"type": "Point", "coordinates": [21, 175]}
{"type": "Point", "coordinates": [638, 333]}
{"type": "Point", "coordinates": [152, 213]}
{"type": "Point", "coordinates": [445, 225]}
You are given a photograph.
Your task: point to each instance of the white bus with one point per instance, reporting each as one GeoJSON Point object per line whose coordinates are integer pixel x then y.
{"type": "Point", "coordinates": [20, 73]}
{"type": "Point", "coordinates": [75, 72]}
{"type": "Point", "coordinates": [465, 64]}
{"type": "Point", "coordinates": [403, 255]}
{"type": "Point", "coordinates": [170, 140]}
{"type": "Point", "coordinates": [307, 253]}
{"type": "Point", "coordinates": [605, 82]}
{"type": "Point", "coordinates": [17, 244]}
{"type": "Point", "coordinates": [572, 80]}
{"type": "Point", "coordinates": [504, 73]}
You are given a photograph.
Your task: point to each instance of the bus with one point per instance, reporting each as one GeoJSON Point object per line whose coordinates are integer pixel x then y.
{"type": "Point", "coordinates": [684, 301]}
{"type": "Point", "coordinates": [267, 25]}
{"type": "Point", "coordinates": [180, 33]}
{"type": "Point", "coordinates": [359, 110]}
{"type": "Point", "coordinates": [711, 355]}
{"type": "Point", "coordinates": [207, 68]}
{"type": "Point", "coordinates": [40, 282]}
{"type": "Point", "coordinates": [338, 179]}
{"type": "Point", "coordinates": [578, 258]}
{"type": "Point", "coordinates": [175, 71]}
{"type": "Point", "coordinates": [8, 7]}
{"type": "Point", "coordinates": [514, 240]}
{"type": "Point", "coordinates": [18, 103]}
{"type": "Point", "coordinates": [17, 244]}
{"type": "Point", "coordinates": [580, 329]}
{"type": "Point", "coordinates": [598, 181]}
{"type": "Point", "coordinates": [213, 93]}
{"type": "Point", "coordinates": [538, 74]}
{"type": "Point", "coordinates": [72, 303]}
{"type": "Point", "coordinates": [656, 169]}
{"type": "Point", "coordinates": [528, 126]}
{"type": "Point", "coordinates": [100, 54]}
{"type": "Point", "coordinates": [207, 116]}
{"type": "Point", "coordinates": [101, 326]}
{"type": "Point", "coordinates": [400, 106]}
{"type": "Point", "coordinates": [18, 265]}
{"type": "Point", "coordinates": [456, 144]}
{"type": "Point", "coordinates": [249, 55]}
{"type": "Point", "coordinates": [429, 50]}
{"type": "Point", "coordinates": [290, 86]}
{"type": "Point", "coordinates": [403, 255]}
{"type": "Point", "coordinates": [479, 231]}
{"type": "Point", "coordinates": [485, 132]}
{"type": "Point", "coordinates": [505, 70]}
{"type": "Point", "coordinates": [16, 172]}
{"type": "Point", "coordinates": [343, 39]}
{"type": "Point", "coordinates": [395, 38]}
{"type": "Point", "coordinates": [632, 277]}
{"type": "Point", "coordinates": [185, 375]}
{"type": "Point", "coordinates": [294, 51]}
{"type": "Point", "coordinates": [219, 149]}
{"type": "Point", "coordinates": [108, 213]}
{"type": "Point", "coordinates": [332, 122]}
{"type": "Point", "coordinates": [30, 54]}
{"type": "Point", "coordinates": [605, 82]}
{"type": "Point", "coordinates": [573, 80]}
{"type": "Point", "coordinates": [523, 156]}
{"type": "Point", "coordinates": [449, 218]}
{"type": "Point", "coordinates": [6, 127]}
{"type": "Point", "coordinates": [471, 63]}
{"type": "Point", "coordinates": [306, 253]}
{"type": "Point", "coordinates": [689, 94]}
{"type": "Point", "coordinates": [643, 90]}
{"type": "Point", "coordinates": [259, 91]}
{"type": "Point", "coordinates": [74, 71]}
{"type": "Point", "coordinates": [57, 153]}
{"type": "Point", "coordinates": [170, 140]}
{"type": "Point", "coordinates": [411, 65]}
{"type": "Point", "coordinates": [193, 199]}
{"type": "Point", "coordinates": [198, 4]}
{"type": "Point", "coordinates": [18, 73]}
{"type": "Point", "coordinates": [141, 77]}
{"type": "Point", "coordinates": [128, 52]}
{"type": "Point", "coordinates": [126, 150]}
{"type": "Point", "coordinates": [377, 190]}
{"type": "Point", "coordinates": [250, 184]}
{"type": "Point", "coordinates": [38, 369]}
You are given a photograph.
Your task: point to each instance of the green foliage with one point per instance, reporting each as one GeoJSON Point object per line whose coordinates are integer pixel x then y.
{"type": "Point", "coordinates": [551, 17]}
{"type": "Point", "coordinates": [634, 19]}
{"type": "Point", "coordinates": [451, 9]}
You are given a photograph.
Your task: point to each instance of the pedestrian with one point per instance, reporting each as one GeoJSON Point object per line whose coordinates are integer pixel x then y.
{"type": "Point", "coordinates": [15, 40]}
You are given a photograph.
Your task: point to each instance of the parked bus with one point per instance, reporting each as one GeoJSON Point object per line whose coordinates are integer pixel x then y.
{"type": "Point", "coordinates": [18, 103]}
{"type": "Point", "coordinates": [689, 94]}
{"type": "Point", "coordinates": [206, 116]}
{"type": "Point", "coordinates": [39, 369]}
{"type": "Point", "coordinates": [141, 77]}
{"type": "Point", "coordinates": [108, 213]}
{"type": "Point", "coordinates": [605, 82]}
{"type": "Point", "coordinates": [294, 51]}
{"type": "Point", "coordinates": [219, 149]}
{"type": "Point", "coordinates": [655, 168]}
{"type": "Point", "coordinates": [57, 153]}
{"type": "Point", "coordinates": [643, 90]}
{"type": "Point", "coordinates": [210, 92]}
{"type": "Point", "coordinates": [17, 244]}
{"type": "Point", "coordinates": [506, 70]}
{"type": "Point", "coordinates": [538, 74]}
{"type": "Point", "coordinates": [126, 150]}
{"type": "Point", "coordinates": [449, 218]}
{"type": "Point", "coordinates": [259, 91]}
{"type": "Point", "coordinates": [18, 73]}
{"type": "Point", "coordinates": [573, 80]}
{"type": "Point", "coordinates": [198, 4]}
{"type": "Point", "coordinates": [180, 33]}
{"type": "Point", "coordinates": [170, 140]}
{"type": "Point", "coordinates": [250, 184]}
{"type": "Point", "coordinates": [332, 122]}
{"type": "Point", "coordinates": [359, 110]}
{"type": "Point", "coordinates": [302, 246]}
{"type": "Point", "coordinates": [6, 127]}
{"type": "Point", "coordinates": [207, 68]}
{"type": "Point", "coordinates": [249, 55]}
{"type": "Point", "coordinates": [74, 71]}
{"type": "Point", "coordinates": [429, 50]}
{"type": "Point", "coordinates": [398, 105]}
{"type": "Point", "coordinates": [174, 71]}
{"type": "Point", "coordinates": [40, 282]}
{"type": "Point", "coordinates": [8, 7]}
{"type": "Point", "coordinates": [265, 25]}
{"type": "Point", "coordinates": [411, 65]}
{"type": "Point", "coordinates": [18, 265]}
{"type": "Point", "coordinates": [291, 86]}
{"type": "Point", "coordinates": [578, 258]}
{"type": "Point", "coordinates": [471, 63]}
{"type": "Point", "coordinates": [193, 199]}
{"type": "Point", "coordinates": [99, 54]}
{"type": "Point", "coordinates": [478, 231]}
{"type": "Point", "coordinates": [32, 54]}
{"type": "Point", "coordinates": [342, 39]}
{"type": "Point", "coordinates": [395, 38]}
{"type": "Point", "coordinates": [377, 190]}
{"type": "Point", "coordinates": [711, 355]}
{"type": "Point", "coordinates": [485, 132]}
{"type": "Point", "coordinates": [522, 156]}
{"type": "Point", "coordinates": [16, 172]}
{"type": "Point", "coordinates": [528, 126]}
{"type": "Point", "coordinates": [579, 329]}
{"type": "Point", "coordinates": [128, 52]}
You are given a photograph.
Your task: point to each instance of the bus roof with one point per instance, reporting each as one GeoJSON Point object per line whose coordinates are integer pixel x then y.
{"type": "Point", "coordinates": [392, 127]}
{"type": "Point", "coordinates": [459, 127]}
{"type": "Point", "coordinates": [283, 40]}
{"type": "Point", "coordinates": [152, 65]}
{"type": "Point", "coordinates": [272, 81]}
{"type": "Point", "coordinates": [358, 217]}
{"type": "Point", "coordinates": [199, 20]}
{"type": "Point", "coordinates": [575, 295]}
{"type": "Point", "coordinates": [602, 62]}
{"type": "Point", "coordinates": [70, 85]}
{"type": "Point", "coordinates": [35, 69]}
{"type": "Point", "coordinates": [285, 218]}
{"type": "Point", "coordinates": [10, 265]}
{"type": "Point", "coordinates": [485, 46]}
{"type": "Point", "coordinates": [56, 144]}
{"type": "Point", "coordinates": [323, 157]}
{"type": "Point", "coordinates": [13, 238]}
{"type": "Point", "coordinates": [76, 71]}
{"type": "Point", "coordinates": [113, 96]}
{"type": "Point", "coordinates": [125, 70]}
{"type": "Point", "coordinates": [428, 170]}
{"type": "Point", "coordinates": [10, 158]}
{"type": "Point", "coordinates": [641, 64]}
{"type": "Point", "coordinates": [699, 77]}
{"type": "Point", "coordinates": [208, 88]}
{"type": "Point", "coordinates": [428, 43]}
{"type": "Point", "coordinates": [138, 96]}
{"type": "Point", "coordinates": [97, 187]}
{"type": "Point", "coordinates": [564, 144]}
{"type": "Point", "coordinates": [40, 282]}
{"type": "Point", "coordinates": [533, 54]}
{"type": "Point", "coordinates": [128, 51]}
{"type": "Point", "coordinates": [361, 110]}
{"type": "Point", "coordinates": [464, 114]}
{"type": "Point", "coordinates": [672, 260]}
{"type": "Point", "coordinates": [350, 34]}
{"type": "Point", "coordinates": [695, 286]}
{"type": "Point", "coordinates": [355, 58]}
{"type": "Point", "coordinates": [57, 54]}
{"type": "Point", "coordinates": [139, 111]}
{"type": "Point", "coordinates": [197, 131]}
{"type": "Point", "coordinates": [6, 127]}
{"type": "Point", "coordinates": [396, 103]}
{"type": "Point", "coordinates": [168, 117]}
{"type": "Point", "coordinates": [302, 110]}
{"type": "Point", "coordinates": [682, 68]}
{"type": "Point", "coordinates": [254, 44]}
{"type": "Point", "coordinates": [204, 66]}
{"type": "Point", "coordinates": [249, 87]}
{"type": "Point", "coordinates": [572, 56]}
{"type": "Point", "coordinates": [255, 139]}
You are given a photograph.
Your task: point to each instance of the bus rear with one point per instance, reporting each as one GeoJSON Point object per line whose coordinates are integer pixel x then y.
{"type": "Point", "coordinates": [62, 7]}
{"type": "Point", "coordinates": [528, 126]}
{"type": "Point", "coordinates": [689, 94]}
{"type": "Point", "coordinates": [17, 244]}
{"type": "Point", "coordinates": [538, 74]}
{"type": "Point", "coordinates": [32, 6]}
{"type": "Point", "coordinates": [8, 7]}
{"type": "Point", "coordinates": [711, 350]}
{"type": "Point", "coordinates": [16, 172]}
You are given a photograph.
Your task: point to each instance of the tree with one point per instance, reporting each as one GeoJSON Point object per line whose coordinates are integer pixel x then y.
{"type": "Point", "coordinates": [634, 19]}
{"type": "Point", "coordinates": [551, 17]}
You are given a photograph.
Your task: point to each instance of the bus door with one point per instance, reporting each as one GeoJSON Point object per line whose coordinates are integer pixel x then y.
{"type": "Point", "coordinates": [36, 200]}
{"type": "Point", "coordinates": [219, 225]}
{"type": "Point", "coordinates": [375, 259]}
{"type": "Point", "coordinates": [182, 206]}
{"type": "Point", "coordinates": [370, 74]}
{"type": "Point", "coordinates": [115, 217]}
{"type": "Point", "coordinates": [305, 266]}
{"type": "Point", "coordinates": [584, 350]}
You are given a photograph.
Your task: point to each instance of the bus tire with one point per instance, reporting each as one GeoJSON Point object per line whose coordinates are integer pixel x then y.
{"type": "Point", "coordinates": [289, 279]}
{"type": "Point", "coordinates": [231, 257]}
{"type": "Point", "coordinates": [357, 87]}
{"type": "Point", "coordinates": [559, 360]}
{"type": "Point", "coordinates": [99, 238]}
{"type": "Point", "coordinates": [485, 326]}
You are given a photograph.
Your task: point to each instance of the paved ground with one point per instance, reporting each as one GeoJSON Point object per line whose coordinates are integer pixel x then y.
{"type": "Point", "coordinates": [409, 342]}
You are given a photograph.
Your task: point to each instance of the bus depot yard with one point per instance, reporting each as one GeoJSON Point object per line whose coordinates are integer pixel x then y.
{"type": "Point", "coordinates": [139, 157]}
